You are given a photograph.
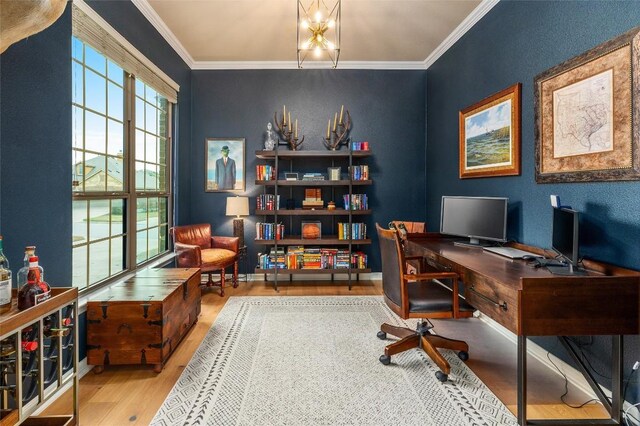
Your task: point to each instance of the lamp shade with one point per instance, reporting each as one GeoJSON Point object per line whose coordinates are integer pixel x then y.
{"type": "Point", "coordinates": [238, 206]}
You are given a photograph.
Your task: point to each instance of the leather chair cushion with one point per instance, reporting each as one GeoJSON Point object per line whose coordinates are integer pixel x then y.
{"type": "Point", "coordinates": [432, 297]}
{"type": "Point", "coordinates": [217, 258]}
{"type": "Point", "coordinates": [199, 235]}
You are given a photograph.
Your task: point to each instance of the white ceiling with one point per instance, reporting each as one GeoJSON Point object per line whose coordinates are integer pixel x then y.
{"type": "Point", "coordinates": [229, 33]}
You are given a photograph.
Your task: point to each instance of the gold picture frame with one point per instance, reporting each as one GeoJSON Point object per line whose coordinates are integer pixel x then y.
{"type": "Point", "coordinates": [490, 136]}
{"type": "Point", "coordinates": [587, 119]}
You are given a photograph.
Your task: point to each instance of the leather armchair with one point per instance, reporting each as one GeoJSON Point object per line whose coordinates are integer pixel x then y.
{"type": "Point", "coordinates": [195, 247]}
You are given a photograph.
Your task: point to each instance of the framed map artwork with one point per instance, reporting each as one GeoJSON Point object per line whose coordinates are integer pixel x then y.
{"type": "Point", "coordinates": [587, 117]}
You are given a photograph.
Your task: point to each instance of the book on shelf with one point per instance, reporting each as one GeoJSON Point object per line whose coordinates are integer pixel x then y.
{"type": "Point", "coordinates": [360, 146]}
{"type": "Point", "coordinates": [358, 231]}
{"type": "Point", "coordinates": [269, 231]}
{"type": "Point", "coordinates": [359, 172]}
{"type": "Point", "coordinates": [313, 176]}
{"type": "Point", "coordinates": [301, 257]}
{"type": "Point", "coordinates": [267, 202]}
{"type": "Point", "coordinates": [265, 172]}
{"type": "Point", "coordinates": [355, 202]}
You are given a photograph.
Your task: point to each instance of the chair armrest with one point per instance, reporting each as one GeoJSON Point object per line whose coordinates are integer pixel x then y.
{"type": "Point", "coordinates": [188, 255]}
{"type": "Point", "coordinates": [229, 243]}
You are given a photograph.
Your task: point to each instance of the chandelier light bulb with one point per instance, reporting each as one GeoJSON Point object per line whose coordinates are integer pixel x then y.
{"type": "Point", "coordinates": [318, 51]}
{"type": "Point", "coordinates": [331, 23]}
{"type": "Point", "coordinates": [330, 45]}
{"type": "Point", "coordinates": [319, 38]}
{"type": "Point", "coordinates": [305, 45]}
{"type": "Point", "coordinates": [318, 16]}
{"type": "Point", "coordinates": [304, 24]}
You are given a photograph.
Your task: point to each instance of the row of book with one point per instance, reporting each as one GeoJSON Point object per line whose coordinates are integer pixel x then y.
{"type": "Point", "coordinates": [357, 202]}
{"type": "Point", "coordinates": [265, 172]}
{"type": "Point", "coordinates": [267, 202]}
{"type": "Point", "coordinates": [358, 231]}
{"type": "Point", "coordinates": [301, 257]}
{"type": "Point", "coordinates": [359, 172]}
{"type": "Point", "coordinates": [360, 146]}
{"type": "Point", "coordinates": [269, 231]}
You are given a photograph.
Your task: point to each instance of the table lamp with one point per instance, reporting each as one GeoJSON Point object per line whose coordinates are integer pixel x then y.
{"type": "Point", "coordinates": [238, 206]}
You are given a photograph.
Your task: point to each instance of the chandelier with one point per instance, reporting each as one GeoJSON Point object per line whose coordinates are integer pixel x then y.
{"type": "Point", "coordinates": [318, 32]}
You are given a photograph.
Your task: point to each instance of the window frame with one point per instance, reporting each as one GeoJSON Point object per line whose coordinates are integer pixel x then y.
{"type": "Point", "coordinates": [129, 193]}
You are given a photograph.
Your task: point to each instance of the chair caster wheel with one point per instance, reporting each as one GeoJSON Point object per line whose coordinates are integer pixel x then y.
{"type": "Point", "coordinates": [441, 376]}
{"type": "Point", "coordinates": [381, 335]}
{"type": "Point", "coordinates": [385, 360]}
{"type": "Point", "coordinates": [463, 355]}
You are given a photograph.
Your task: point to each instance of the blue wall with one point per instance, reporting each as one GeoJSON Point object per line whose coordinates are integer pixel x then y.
{"type": "Point", "coordinates": [513, 43]}
{"type": "Point", "coordinates": [35, 143]}
{"type": "Point", "coordinates": [387, 108]}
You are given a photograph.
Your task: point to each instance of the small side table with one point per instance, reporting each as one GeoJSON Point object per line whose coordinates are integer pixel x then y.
{"type": "Point", "coordinates": [243, 258]}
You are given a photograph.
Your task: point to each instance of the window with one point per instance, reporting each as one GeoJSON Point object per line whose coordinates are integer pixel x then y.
{"type": "Point", "coordinates": [120, 177]}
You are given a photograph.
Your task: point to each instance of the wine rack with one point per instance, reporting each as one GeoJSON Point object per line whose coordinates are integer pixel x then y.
{"type": "Point", "coordinates": [39, 359]}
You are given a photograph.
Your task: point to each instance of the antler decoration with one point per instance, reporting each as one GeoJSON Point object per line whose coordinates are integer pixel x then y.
{"type": "Point", "coordinates": [339, 135]}
{"type": "Point", "coordinates": [289, 135]}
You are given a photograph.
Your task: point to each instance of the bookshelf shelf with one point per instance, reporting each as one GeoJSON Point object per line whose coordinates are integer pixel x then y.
{"type": "Point", "coordinates": [313, 271]}
{"type": "Point", "coordinates": [309, 212]}
{"type": "Point", "coordinates": [327, 251]}
{"type": "Point", "coordinates": [326, 240]}
{"type": "Point", "coordinates": [281, 182]}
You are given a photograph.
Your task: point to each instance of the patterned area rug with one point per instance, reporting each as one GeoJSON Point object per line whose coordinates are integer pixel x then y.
{"type": "Point", "coordinates": [314, 361]}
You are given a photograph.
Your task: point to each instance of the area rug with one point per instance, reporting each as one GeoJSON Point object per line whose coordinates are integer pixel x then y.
{"type": "Point", "coordinates": [314, 361]}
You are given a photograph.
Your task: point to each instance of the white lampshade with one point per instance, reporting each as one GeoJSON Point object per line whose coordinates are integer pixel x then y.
{"type": "Point", "coordinates": [238, 206]}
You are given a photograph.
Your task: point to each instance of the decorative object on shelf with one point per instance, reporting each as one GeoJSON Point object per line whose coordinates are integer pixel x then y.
{"type": "Point", "coordinates": [311, 230]}
{"type": "Point", "coordinates": [331, 205]}
{"type": "Point", "coordinates": [270, 141]}
{"type": "Point", "coordinates": [287, 131]}
{"type": "Point", "coordinates": [224, 163]}
{"type": "Point", "coordinates": [290, 176]}
{"type": "Point", "coordinates": [318, 31]}
{"type": "Point", "coordinates": [238, 206]}
{"type": "Point", "coordinates": [334, 173]}
{"type": "Point", "coordinates": [587, 115]}
{"type": "Point", "coordinates": [339, 135]}
{"type": "Point", "coordinates": [312, 199]}
{"type": "Point", "coordinates": [490, 136]}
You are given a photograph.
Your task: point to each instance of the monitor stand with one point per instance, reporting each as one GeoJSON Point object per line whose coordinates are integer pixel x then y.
{"type": "Point", "coordinates": [473, 242]}
{"type": "Point", "coordinates": [569, 270]}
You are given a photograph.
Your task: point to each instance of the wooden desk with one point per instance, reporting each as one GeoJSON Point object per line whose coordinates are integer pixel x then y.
{"type": "Point", "coordinates": [533, 302]}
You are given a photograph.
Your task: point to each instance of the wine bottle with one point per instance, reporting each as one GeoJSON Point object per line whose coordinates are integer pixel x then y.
{"type": "Point", "coordinates": [21, 276]}
{"type": "Point", "coordinates": [5, 282]}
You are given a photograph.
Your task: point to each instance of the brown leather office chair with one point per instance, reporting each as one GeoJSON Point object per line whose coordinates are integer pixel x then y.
{"type": "Point", "coordinates": [196, 248]}
{"type": "Point", "coordinates": [418, 296]}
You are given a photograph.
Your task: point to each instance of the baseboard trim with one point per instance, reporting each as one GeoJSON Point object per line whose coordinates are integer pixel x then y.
{"type": "Point", "coordinates": [574, 376]}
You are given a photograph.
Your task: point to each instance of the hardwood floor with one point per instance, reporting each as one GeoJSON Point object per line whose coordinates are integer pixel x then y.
{"type": "Point", "coordinates": [132, 395]}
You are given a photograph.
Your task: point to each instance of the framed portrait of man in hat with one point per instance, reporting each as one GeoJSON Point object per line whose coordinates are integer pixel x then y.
{"type": "Point", "coordinates": [224, 164]}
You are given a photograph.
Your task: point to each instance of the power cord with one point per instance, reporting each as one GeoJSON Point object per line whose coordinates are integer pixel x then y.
{"type": "Point", "coordinates": [566, 388]}
{"type": "Point", "coordinates": [626, 415]}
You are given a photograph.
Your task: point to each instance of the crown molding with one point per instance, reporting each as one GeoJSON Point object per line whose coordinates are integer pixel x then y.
{"type": "Point", "coordinates": [152, 16]}
{"type": "Point", "coordinates": [285, 65]}
{"type": "Point", "coordinates": [482, 9]}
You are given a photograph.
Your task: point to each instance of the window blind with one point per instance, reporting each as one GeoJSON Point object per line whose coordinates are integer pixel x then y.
{"type": "Point", "coordinates": [87, 29]}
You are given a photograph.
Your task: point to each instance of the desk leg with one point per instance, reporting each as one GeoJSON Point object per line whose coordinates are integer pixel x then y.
{"type": "Point", "coordinates": [522, 380]}
{"type": "Point", "coordinates": [616, 377]}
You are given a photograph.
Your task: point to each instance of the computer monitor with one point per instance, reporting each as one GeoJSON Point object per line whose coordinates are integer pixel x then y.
{"type": "Point", "coordinates": [481, 219]}
{"type": "Point", "coordinates": [564, 239]}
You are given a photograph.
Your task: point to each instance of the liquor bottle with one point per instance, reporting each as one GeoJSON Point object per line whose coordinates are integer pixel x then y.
{"type": "Point", "coordinates": [21, 276]}
{"type": "Point", "coordinates": [35, 290]}
{"type": "Point", "coordinates": [5, 282]}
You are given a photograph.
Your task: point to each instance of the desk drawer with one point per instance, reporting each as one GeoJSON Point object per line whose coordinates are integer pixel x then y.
{"type": "Point", "coordinates": [492, 299]}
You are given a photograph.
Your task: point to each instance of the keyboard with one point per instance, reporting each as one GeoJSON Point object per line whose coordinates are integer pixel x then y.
{"type": "Point", "coordinates": [510, 252]}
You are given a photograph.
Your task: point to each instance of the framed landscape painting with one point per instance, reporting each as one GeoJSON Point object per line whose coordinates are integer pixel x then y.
{"type": "Point", "coordinates": [490, 136]}
{"type": "Point", "coordinates": [587, 114]}
{"type": "Point", "coordinates": [224, 164]}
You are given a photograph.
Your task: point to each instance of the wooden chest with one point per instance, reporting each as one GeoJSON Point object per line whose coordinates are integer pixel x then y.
{"type": "Point", "coordinates": [142, 320]}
